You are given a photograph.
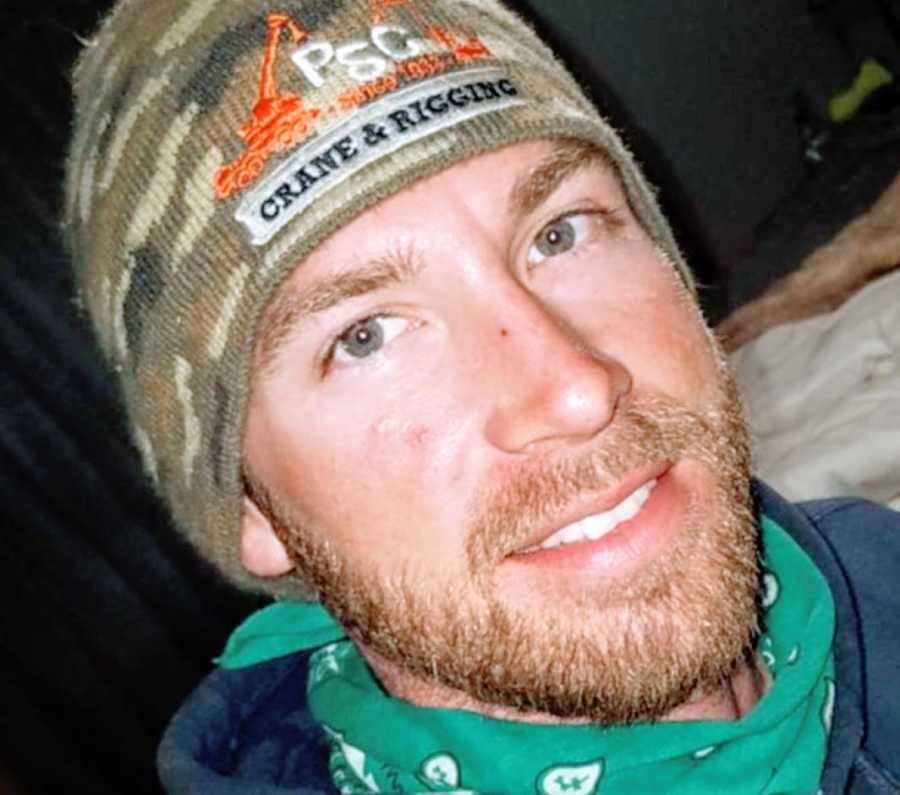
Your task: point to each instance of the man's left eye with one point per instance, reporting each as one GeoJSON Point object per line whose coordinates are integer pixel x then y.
{"type": "Point", "coordinates": [558, 237]}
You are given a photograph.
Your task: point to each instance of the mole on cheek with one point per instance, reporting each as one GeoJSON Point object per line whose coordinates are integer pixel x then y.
{"type": "Point", "coordinates": [504, 332]}
{"type": "Point", "coordinates": [417, 434]}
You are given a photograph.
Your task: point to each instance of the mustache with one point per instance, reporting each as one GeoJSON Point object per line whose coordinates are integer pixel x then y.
{"type": "Point", "coordinates": [652, 430]}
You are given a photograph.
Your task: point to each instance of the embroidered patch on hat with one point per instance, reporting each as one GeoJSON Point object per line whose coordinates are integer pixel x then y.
{"type": "Point", "coordinates": [404, 85]}
{"type": "Point", "coordinates": [388, 57]}
{"type": "Point", "coordinates": [371, 134]}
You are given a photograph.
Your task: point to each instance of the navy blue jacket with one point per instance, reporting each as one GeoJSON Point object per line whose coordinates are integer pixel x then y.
{"type": "Point", "coordinates": [249, 731]}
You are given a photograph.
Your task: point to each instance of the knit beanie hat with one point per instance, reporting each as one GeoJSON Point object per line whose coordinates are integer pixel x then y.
{"type": "Point", "coordinates": [217, 142]}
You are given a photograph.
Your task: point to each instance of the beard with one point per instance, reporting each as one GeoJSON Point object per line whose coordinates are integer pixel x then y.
{"type": "Point", "coordinates": [631, 649]}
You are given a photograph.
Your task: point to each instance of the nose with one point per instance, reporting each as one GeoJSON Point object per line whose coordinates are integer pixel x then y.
{"type": "Point", "coordinates": [550, 385]}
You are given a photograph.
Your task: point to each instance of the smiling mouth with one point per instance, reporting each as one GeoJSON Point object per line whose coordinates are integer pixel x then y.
{"type": "Point", "coordinates": [597, 525]}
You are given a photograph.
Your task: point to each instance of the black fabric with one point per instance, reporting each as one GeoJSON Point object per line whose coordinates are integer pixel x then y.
{"type": "Point", "coordinates": [106, 618]}
{"type": "Point", "coordinates": [719, 100]}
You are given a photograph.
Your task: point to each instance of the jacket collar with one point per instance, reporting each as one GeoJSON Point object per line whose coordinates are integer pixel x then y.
{"type": "Point", "coordinates": [848, 727]}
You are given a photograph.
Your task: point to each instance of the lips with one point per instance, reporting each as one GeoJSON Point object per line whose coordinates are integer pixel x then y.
{"type": "Point", "coordinates": [562, 556]}
{"type": "Point", "coordinates": [598, 525]}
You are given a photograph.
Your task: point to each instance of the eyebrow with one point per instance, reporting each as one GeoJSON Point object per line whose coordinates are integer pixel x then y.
{"type": "Point", "coordinates": [290, 308]}
{"type": "Point", "coordinates": [534, 187]}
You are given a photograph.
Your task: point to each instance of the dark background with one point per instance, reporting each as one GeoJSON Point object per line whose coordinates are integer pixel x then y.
{"type": "Point", "coordinates": [106, 618]}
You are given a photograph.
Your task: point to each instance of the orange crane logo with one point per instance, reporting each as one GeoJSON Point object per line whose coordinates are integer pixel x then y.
{"type": "Point", "coordinates": [463, 51]}
{"type": "Point", "coordinates": [278, 122]}
{"type": "Point", "coordinates": [379, 8]}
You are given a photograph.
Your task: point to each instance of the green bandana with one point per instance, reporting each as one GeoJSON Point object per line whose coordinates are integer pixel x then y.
{"type": "Point", "coordinates": [382, 744]}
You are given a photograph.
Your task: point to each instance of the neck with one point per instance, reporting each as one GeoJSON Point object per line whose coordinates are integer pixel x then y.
{"type": "Point", "coordinates": [731, 701]}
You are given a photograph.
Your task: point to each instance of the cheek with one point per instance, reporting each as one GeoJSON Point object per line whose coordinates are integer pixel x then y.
{"type": "Point", "coordinates": [365, 467]}
{"type": "Point", "coordinates": [418, 445]}
{"type": "Point", "coordinates": [655, 329]}
{"type": "Point", "coordinates": [676, 349]}
{"type": "Point", "coordinates": [395, 447]}
{"type": "Point", "coordinates": [412, 436]}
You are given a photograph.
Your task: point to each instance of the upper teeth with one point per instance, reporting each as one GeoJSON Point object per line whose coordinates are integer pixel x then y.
{"type": "Point", "coordinates": [599, 524]}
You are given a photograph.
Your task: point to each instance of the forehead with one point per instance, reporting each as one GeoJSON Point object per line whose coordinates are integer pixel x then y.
{"type": "Point", "coordinates": [515, 179]}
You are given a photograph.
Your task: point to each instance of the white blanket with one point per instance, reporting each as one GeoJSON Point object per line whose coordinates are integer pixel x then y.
{"type": "Point", "coordinates": [823, 398]}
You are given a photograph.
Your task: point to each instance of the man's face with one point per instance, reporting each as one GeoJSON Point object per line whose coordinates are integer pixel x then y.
{"type": "Point", "coordinates": [497, 437]}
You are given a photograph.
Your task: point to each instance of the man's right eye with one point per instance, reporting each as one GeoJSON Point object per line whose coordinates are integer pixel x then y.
{"type": "Point", "coordinates": [561, 236]}
{"type": "Point", "coordinates": [366, 337]}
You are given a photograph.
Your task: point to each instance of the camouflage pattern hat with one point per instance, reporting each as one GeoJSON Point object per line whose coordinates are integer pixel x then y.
{"type": "Point", "coordinates": [217, 142]}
